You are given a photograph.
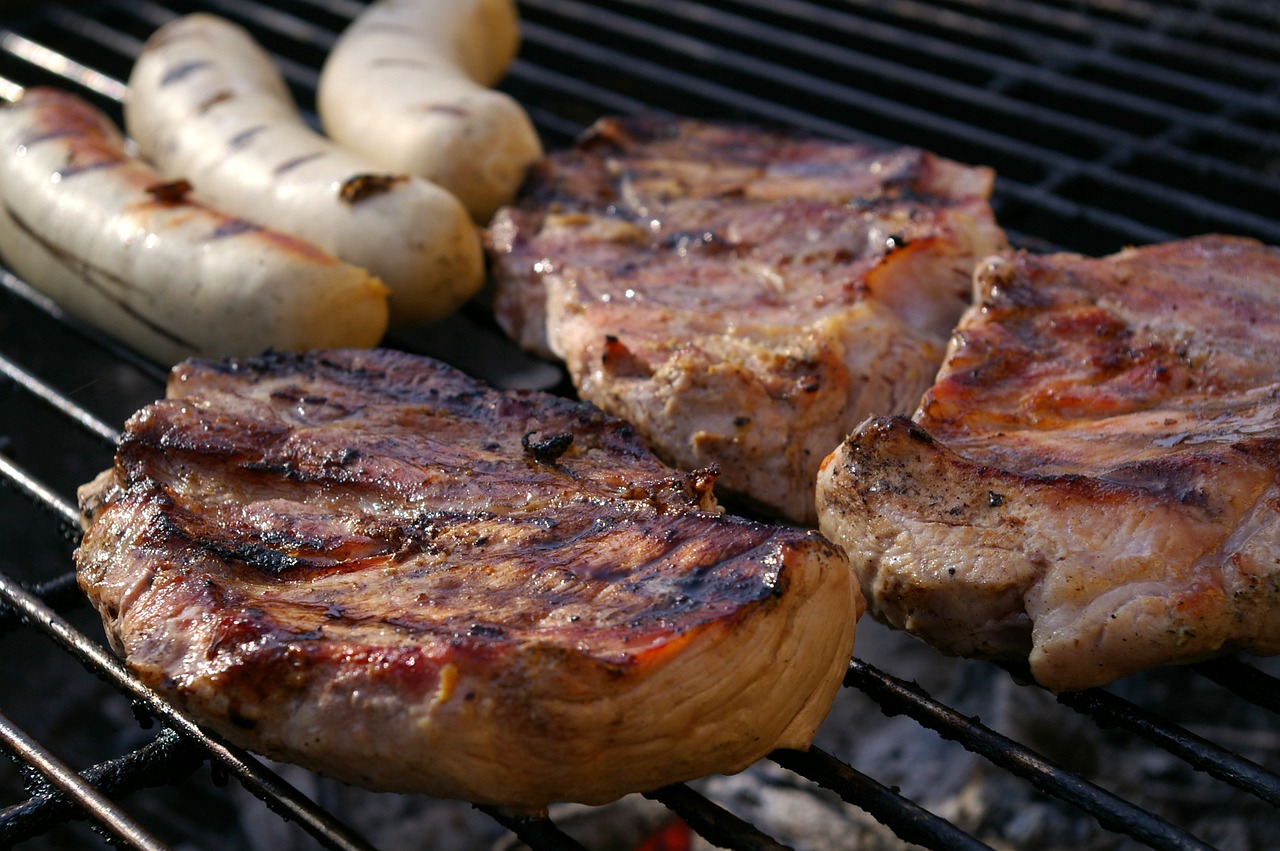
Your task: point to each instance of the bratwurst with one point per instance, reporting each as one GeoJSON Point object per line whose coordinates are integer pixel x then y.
{"type": "Point", "coordinates": [207, 104]}
{"type": "Point", "coordinates": [119, 245]}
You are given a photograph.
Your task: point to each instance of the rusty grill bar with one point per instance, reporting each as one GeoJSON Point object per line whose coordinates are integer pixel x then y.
{"type": "Point", "coordinates": [1110, 122]}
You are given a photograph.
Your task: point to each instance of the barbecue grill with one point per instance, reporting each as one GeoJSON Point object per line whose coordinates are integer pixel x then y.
{"type": "Point", "coordinates": [1110, 122]}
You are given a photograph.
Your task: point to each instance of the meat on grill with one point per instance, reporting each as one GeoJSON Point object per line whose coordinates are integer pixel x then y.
{"type": "Point", "coordinates": [743, 296]}
{"type": "Point", "coordinates": [1093, 483]}
{"type": "Point", "coordinates": [369, 564]}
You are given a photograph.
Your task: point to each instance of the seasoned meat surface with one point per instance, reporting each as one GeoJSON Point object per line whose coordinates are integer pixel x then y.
{"type": "Point", "coordinates": [372, 565]}
{"type": "Point", "coordinates": [743, 296]}
{"type": "Point", "coordinates": [1093, 482]}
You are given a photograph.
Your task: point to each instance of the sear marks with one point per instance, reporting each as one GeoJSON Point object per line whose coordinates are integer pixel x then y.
{"type": "Point", "coordinates": [373, 565]}
{"type": "Point", "coordinates": [1092, 481]}
{"type": "Point", "coordinates": [691, 275]}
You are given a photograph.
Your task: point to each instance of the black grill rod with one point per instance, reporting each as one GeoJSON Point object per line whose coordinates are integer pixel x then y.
{"type": "Point", "coordinates": [757, 65]}
{"type": "Point", "coordinates": [65, 780]}
{"type": "Point", "coordinates": [534, 831]}
{"type": "Point", "coordinates": [165, 759]}
{"type": "Point", "coordinates": [342, 8]}
{"type": "Point", "coordinates": [295, 72]}
{"type": "Point", "coordinates": [1112, 711]}
{"type": "Point", "coordinates": [652, 72]}
{"type": "Point", "coordinates": [909, 38]}
{"type": "Point", "coordinates": [267, 16]}
{"type": "Point", "coordinates": [264, 783]}
{"type": "Point", "coordinates": [39, 493]}
{"type": "Point", "coordinates": [1061, 166]}
{"type": "Point", "coordinates": [58, 401]}
{"type": "Point", "coordinates": [895, 696]}
{"type": "Point", "coordinates": [908, 820]}
{"type": "Point", "coordinates": [20, 288]}
{"type": "Point", "coordinates": [1243, 680]}
{"type": "Point", "coordinates": [1119, 62]}
{"type": "Point", "coordinates": [711, 821]}
{"type": "Point", "coordinates": [905, 75]}
{"type": "Point", "coordinates": [74, 21]}
{"type": "Point", "coordinates": [61, 592]}
{"type": "Point", "coordinates": [578, 89]}
{"type": "Point", "coordinates": [1154, 30]}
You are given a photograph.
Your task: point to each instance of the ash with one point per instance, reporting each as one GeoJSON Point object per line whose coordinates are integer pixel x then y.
{"type": "Point", "coordinates": [998, 808]}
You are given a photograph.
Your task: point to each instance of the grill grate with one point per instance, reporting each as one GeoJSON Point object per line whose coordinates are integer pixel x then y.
{"type": "Point", "coordinates": [1109, 122]}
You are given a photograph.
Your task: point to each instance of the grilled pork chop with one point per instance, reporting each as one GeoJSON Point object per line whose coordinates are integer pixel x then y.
{"type": "Point", "coordinates": [1094, 480]}
{"type": "Point", "coordinates": [745, 297]}
{"type": "Point", "coordinates": [369, 564]}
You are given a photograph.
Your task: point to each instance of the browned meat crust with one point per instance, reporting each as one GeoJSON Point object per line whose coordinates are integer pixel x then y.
{"type": "Point", "coordinates": [1093, 482]}
{"type": "Point", "coordinates": [745, 297]}
{"type": "Point", "coordinates": [370, 564]}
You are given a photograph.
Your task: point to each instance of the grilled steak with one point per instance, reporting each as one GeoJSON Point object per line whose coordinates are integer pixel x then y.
{"type": "Point", "coordinates": [369, 564]}
{"type": "Point", "coordinates": [1094, 480]}
{"type": "Point", "coordinates": [745, 297]}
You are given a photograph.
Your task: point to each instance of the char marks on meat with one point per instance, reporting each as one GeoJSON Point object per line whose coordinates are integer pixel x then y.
{"type": "Point", "coordinates": [1093, 482]}
{"type": "Point", "coordinates": [743, 296]}
{"type": "Point", "coordinates": [368, 563]}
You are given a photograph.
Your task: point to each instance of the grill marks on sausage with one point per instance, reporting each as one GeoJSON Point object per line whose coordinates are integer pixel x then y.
{"type": "Point", "coordinates": [95, 276]}
{"type": "Point", "coordinates": [295, 162]}
{"type": "Point", "coordinates": [83, 136]}
{"type": "Point", "coordinates": [245, 137]}
{"type": "Point", "coordinates": [235, 227]}
{"type": "Point", "coordinates": [219, 97]}
{"type": "Point", "coordinates": [180, 72]}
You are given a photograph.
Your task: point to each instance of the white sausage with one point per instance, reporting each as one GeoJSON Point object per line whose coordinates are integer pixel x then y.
{"type": "Point", "coordinates": [106, 237]}
{"type": "Point", "coordinates": [407, 83]}
{"type": "Point", "coordinates": [206, 103]}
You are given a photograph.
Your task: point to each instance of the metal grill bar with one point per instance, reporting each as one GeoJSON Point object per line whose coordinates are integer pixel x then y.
{"type": "Point", "coordinates": [92, 337]}
{"type": "Point", "coordinates": [1249, 683]}
{"type": "Point", "coordinates": [1204, 755]}
{"type": "Point", "coordinates": [162, 760]}
{"type": "Point", "coordinates": [57, 593]}
{"type": "Point", "coordinates": [908, 821]}
{"type": "Point", "coordinates": [1029, 170]}
{"type": "Point", "coordinates": [251, 773]}
{"type": "Point", "coordinates": [534, 831]}
{"type": "Point", "coordinates": [894, 695]}
{"type": "Point", "coordinates": [714, 823]}
{"type": "Point", "coordinates": [52, 397]}
{"type": "Point", "coordinates": [85, 794]}
{"type": "Point", "coordinates": [606, 55]}
{"type": "Point", "coordinates": [60, 64]}
{"type": "Point", "coordinates": [39, 493]}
